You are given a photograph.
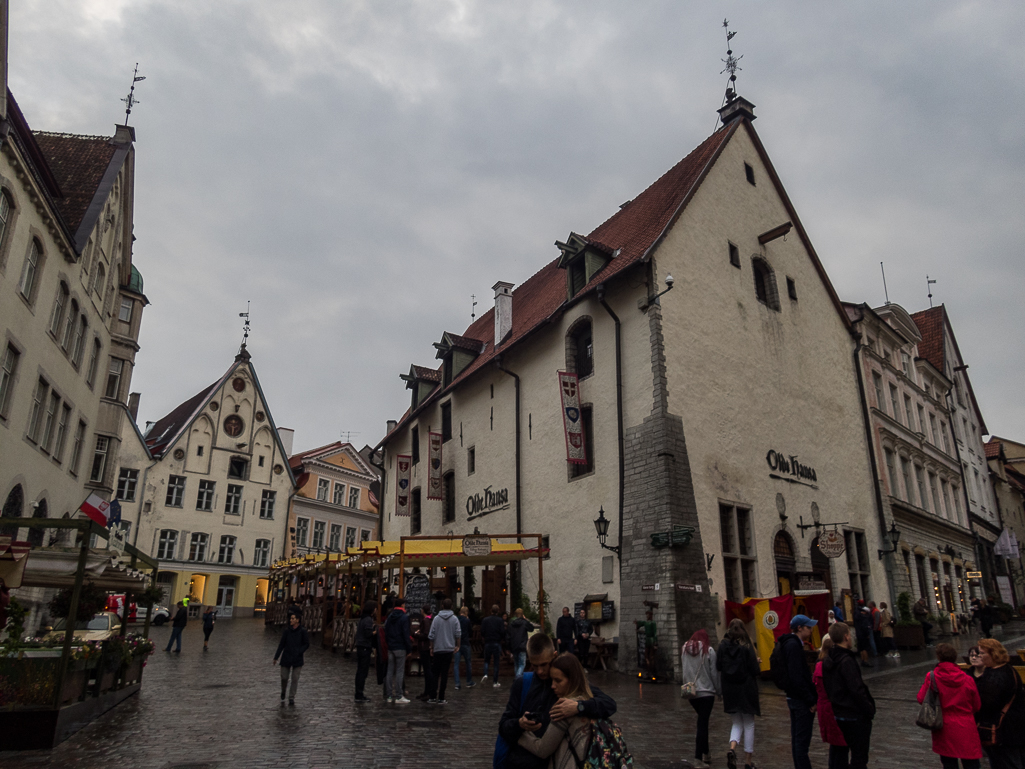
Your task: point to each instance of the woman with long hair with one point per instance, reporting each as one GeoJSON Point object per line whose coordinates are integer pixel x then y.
{"type": "Point", "coordinates": [828, 728]}
{"type": "Point", "coordinates": [563, 741]}
{"type": "Point", "coordinates": [739, 668]}
{"type": "Point", "coordinates": [701, 682]}
{"type": "Point", "coordinates": [958, 740]}
{"type": "Point", "coordinates": [1001, 718]}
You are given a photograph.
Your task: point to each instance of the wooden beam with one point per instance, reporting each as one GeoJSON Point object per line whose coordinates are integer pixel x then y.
{"type": "Point", "coordinates": [775, 232]}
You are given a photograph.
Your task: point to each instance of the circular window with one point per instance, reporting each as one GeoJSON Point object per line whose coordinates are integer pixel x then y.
{"type": "Point", "coordinates": [214, 406]}
{"type": "Point", "coordinates": [179, 454]}
{"type": "Point", "coordinates": [233, 425]}
{"type": "Point", "coordinates": [260, 416]}
{"type": "Point", "coordinates": [239, 384]}
{"type": "Point", "coordinates": [278, 469]}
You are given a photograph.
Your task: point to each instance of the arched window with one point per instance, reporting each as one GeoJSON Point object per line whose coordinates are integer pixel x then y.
{"type": "Point", "coordinates": [35, 536]}
{"type": "Point", "coordinates": [12, 509]}
{"type": "Point", "coordinates": [76, 353]}
{"type": "Point", "coordinates": [30, 270]}
{"type": "Point", "coordinates": [5, 215]}
{"type": "Point", "coordinates": [100, 281]}
{"type": "Point", "coordinates": [580, 348]}
{"type": "Point", "coordinates": [786, 564]}
{"type": "Point", "coordinates": [59, 303]}
{"type": "Point", "coordinates": [765, 283]}
{"type": "Point", "coordinates": [69, 326]}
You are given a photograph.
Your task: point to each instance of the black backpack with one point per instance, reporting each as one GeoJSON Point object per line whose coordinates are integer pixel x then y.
{"type": "Point", "coordinates": [778, 667]}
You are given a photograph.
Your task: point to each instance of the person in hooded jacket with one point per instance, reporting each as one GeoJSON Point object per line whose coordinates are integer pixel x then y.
{"type": "Point", "coordinates": [445, 636]}
{"type": "Point", "coordinates": [293, 645]}
{"type": "Point", "coordinates": [697, 662]}
{"type": "Point", "coordinates": [831, 734]}
{"type": "Point", "coordinates": [739, 668]}
{"type": "Point", "coordinates": [399, 638]}
{"type": "Point", "coordinates": [366, 637]}
{"type": "Point", "coordinates": [564, 630]}
{"type": "Point", "coordinates": [853, 705]}
{"type": "Point", "coordinates": [801, 696]}
{"type": "Point", "coordinates": [958, 740]}
{"type": "Point", "coordinates": [517, 634]}
{"type": "Point", "coordinates": [863, 632]}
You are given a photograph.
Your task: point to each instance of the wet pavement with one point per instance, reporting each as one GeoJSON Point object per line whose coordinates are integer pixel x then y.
{"type": "Point", "coordinates": [220, 710]}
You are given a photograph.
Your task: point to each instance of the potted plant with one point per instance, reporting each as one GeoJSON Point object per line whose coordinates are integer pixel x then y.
{"type": "Point", "coordinates": [907, 633]}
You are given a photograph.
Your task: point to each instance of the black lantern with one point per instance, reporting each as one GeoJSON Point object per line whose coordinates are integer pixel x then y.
{"type": "Point", "coordinates": [894, 536]}
{"type": "Point", "coordinates": [601, 525]}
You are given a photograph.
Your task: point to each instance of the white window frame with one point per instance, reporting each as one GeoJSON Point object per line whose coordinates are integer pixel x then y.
{"type": "Point", "coordinates": [29, 270]}
{"type": "Point", "coordinates": [167, 539]}
{"type": "Point", "coordinates": [302, 531]}
{"type": "Point", "coordinates": [175, 496]}
{"type": "Point", "coordinates": [8, 368]}
{"type": "Point", "coordinates": [198, 546]}
{"type": "Point", "coordinates": [99, 467]}
{"type": "Point", "coordinates": [323, 485]}
{"type": "Point", "coordinates": [319, 535]}
{"type": "Point", "coordinates": [127, 484]}
{"type": "Point", "coordinates": [339, 494]}
{"type": "Point", "coordinates": [261, 553]}
{"type": "Point", "coordinates": [114, 372]}
{"type": "Point", "coordinates": [350, 537]}
{"type": "Point", "coordinates": [205, 495]}
{"type": "Point", "coordinates": [354, 495]}
{"type": "Point", "coordinates": [267, 500]}
{"type": "Point", "coordinates": [334, 541]}
{"type": "Point", "coordinates": [127, 303]}
{"type": "Point", "coordinates": [233, 499]}
{"type": "Point", "coordinates": [226, 550]}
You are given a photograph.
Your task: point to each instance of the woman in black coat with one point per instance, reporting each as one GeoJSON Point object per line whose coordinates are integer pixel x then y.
{"type": "Point", "coordinates": [739, 669]}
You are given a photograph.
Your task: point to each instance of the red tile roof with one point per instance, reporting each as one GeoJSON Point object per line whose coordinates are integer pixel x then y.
{"type": "Point", "coordinates": [992, 449]}
{"type": "Point", "coordinates": [296, 460]}
{"type": "Point", "coordinates": [427, 374]}
{"type": "Point", "coordinates": [930, 326]}
{"type": "Point", "coordinates": [166, 429]}
{"type": "Point", "coordinates": [79, 164]}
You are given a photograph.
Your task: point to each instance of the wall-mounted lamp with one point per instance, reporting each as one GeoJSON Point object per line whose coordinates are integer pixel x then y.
{"type": "Point", "coordinates": [601, 525]}
{"type": "Point", "coordinates": [894, 536]}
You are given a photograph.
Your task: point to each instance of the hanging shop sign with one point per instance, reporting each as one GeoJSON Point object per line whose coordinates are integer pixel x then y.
{"type": "Point", "coordinates": [572, 422]}
{"type": "Point", "coordinates": [973, 574]}
{"type": "Point", "coordinates": [404, 463]}
{"type": "Point", "coordinates": [485, 502]}
{"type": "Point", "coordinates": [434, 460]}
{"type": "Point", "coordinates": [831, 543]}
{"type": "Point", "coordinates": [786, 467]}
{"type": "Point", "coordinates": [476, 546]}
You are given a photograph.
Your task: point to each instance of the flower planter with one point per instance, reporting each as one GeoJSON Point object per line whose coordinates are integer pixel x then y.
{"type": "Point", "coordinates": [909, 637]}
{"type": "Point", "coordinates": [76, 683]}
{"type": "Point", "coordinates": [106, 680]}
{"type": "Point", "coordinates": [131, 674]}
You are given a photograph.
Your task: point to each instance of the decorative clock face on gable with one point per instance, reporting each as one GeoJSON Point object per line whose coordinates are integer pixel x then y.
{"type": "Point", "coordinates": [233, 425]}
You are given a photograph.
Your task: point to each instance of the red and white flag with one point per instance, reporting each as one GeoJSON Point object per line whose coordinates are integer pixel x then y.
{"type": "Point", "coordinates": [572, 418]}
{"type": "Point", "coordinates": [96, 508]}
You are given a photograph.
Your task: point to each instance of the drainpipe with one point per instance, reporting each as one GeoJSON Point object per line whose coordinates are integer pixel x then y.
{"type": "Point", "coordinates": [516, 385]}
{"type": "Point", "coordinates": [888, 564]}
{"type": "Point", "coordinates": [619, 414]}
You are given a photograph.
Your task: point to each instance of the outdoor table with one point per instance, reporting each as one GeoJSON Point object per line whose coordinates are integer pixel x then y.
{"type": "Point", "coordinates": [601, 653]}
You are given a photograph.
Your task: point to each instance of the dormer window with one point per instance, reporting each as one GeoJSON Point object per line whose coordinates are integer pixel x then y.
{"type": "Point", "coordinates": [421, 381]}
{"type": "Point", "coordinates": [582, 259]}
{"type": "Point", "coordinates": [456, 353]}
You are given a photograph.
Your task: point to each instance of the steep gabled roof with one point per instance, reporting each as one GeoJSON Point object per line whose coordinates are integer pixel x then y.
{"type": "Point", "coordinates": [79, 164]}
{"type": "Point", "coordinates": [167, 429]}
{"type": "Point", "coordinates": [297, 461]}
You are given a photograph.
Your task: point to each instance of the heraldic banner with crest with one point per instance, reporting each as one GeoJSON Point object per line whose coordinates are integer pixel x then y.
{"type": "Point", "coordinates": [572, 422]}
{"type": "Point", "coordinates": [404, 462]}
{"type": "Point", "coordinates": [434, 459]}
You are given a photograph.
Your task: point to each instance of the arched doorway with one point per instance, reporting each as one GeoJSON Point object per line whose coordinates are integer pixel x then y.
{"type": "Point", "coordinates": [12, 509]}
{"type": "Point", "coordinates": [786, 563]}
{"type": "Point", "coordinates": [36, 536]}
{"type": "Point", "coordinates": [820, 566]}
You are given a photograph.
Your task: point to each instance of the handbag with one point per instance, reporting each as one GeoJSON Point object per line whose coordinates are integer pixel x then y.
{"type": "Point", "coordinates": [988, 732]}
{"type": "Point", "coordinates": [930, 714]}
{"type": "Point", "coordinates": [689, 690]}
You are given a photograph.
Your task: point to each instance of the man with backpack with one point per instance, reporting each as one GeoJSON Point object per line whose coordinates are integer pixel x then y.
{"type": "Point", "coordinates": [533, 705]}
{"type": "Point", "coordinates": [791, 673]}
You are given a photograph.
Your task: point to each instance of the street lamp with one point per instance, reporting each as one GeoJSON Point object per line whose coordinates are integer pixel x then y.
{"type": "Point", "coordinates": [601, 525]}
{"type": "Point", "coordinates": [894, 536]}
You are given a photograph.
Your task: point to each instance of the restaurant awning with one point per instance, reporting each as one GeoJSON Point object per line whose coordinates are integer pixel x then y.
{"type": "Point", "coordinates": [58, 566]}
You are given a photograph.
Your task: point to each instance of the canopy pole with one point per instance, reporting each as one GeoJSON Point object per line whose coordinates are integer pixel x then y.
{"type": "Point", "coordinates": [402, 566]}
{"type": "Point", "coordinates": [72, 620]}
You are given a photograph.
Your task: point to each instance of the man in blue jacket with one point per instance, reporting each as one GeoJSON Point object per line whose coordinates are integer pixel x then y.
{"type": "Point", "coordinates": [294, 643]}
{"type": "Point", "coordinates": [399, 637]}
{"type": "Point", "coordinates": [800, 690]}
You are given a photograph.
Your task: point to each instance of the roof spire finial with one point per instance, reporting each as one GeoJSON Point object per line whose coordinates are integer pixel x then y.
{"type": "Point", "coordinates": [732, 62]}
{"type": "Point", "coordinates": [242, 352]}
{"type": "Point", "coordinates": [130, 100]}
{"type": "Point", "coordinates": [473, 307]}
{"type": "Point", "coordinates": [928, 284]}
{"type": "Point", "coordinates": [733, 106]}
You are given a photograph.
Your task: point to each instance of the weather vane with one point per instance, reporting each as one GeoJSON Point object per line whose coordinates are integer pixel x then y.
{"type": "Point", "coordinates": [245, 325]}
{"type": "Point", "coordinates": [130, 100]}
{"type": "Point", "coordinates": [732, 62]}
{"type": "Point", "coordinates": [928, 284]}
{"type": "Point", "coordinates": [473, 307]}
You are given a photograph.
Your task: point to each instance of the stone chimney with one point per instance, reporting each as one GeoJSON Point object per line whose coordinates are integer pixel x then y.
{"type": "Point", "coordinates": [503, 311]}
{"type": "Point", "coordinates": [736, 107]}
{"type": "Point", "coordinates": [123, 134]}
{"type": "Point", "coordinates": [133, 406]}
{"type": "Point", "coordinates": [286, 434]}
{"type": "Point", "coordinates": [392, 424]}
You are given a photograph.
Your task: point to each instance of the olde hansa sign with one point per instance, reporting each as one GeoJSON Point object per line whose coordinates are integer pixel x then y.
{"type": "Point", "coordinates": [486, 501]}
{"type": "Point", "coordinates": [786, 467]}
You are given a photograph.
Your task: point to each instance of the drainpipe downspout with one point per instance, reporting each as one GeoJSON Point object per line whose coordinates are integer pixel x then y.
{"type": "Point", "coordinates": [619, 414]}
{"type": "Point", "coordinates": [517, 587]}
{"type": "Point", "coordinates": [890, 559]}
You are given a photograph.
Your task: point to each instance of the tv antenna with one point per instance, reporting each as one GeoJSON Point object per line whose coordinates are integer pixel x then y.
{"type": "Point", "coordinates": [885, 292]}
{"type": "Point", "coordinates": [473, 307]}
{"type": "Point", "coordinates": [928, 285]}
{"type": "Point", "coordinates": [245, 325]}
{"type": "Point", "coordinates": [346, 435]}
{"type": "Point", "coordinates": [130, 100]}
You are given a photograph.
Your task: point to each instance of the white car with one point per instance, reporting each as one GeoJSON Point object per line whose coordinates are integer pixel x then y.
{"type": "Point", "coordinates": [160, 615]}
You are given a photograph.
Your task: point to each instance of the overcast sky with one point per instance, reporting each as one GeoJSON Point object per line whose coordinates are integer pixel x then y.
{"type": "Point", "coordinates": [358, 169]}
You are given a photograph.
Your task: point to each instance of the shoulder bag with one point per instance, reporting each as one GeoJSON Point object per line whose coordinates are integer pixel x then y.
{"type": "Point", "coordinates": [988, 732]}
{"type": "Point", "coordinates": [930, 714]}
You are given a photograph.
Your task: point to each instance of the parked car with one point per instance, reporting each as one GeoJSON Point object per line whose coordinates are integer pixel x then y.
{"type": "Point", "coordinates": [160, 615]}
{"type": "Point", "coordinates": [104, 625]}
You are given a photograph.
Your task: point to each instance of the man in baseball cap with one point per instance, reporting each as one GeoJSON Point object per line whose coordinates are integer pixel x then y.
{"type": "Point", "coordinates": [801, 694]}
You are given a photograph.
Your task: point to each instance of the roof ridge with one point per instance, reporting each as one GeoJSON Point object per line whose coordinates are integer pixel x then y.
{"type": "Point", "coordinates": [68, 135]}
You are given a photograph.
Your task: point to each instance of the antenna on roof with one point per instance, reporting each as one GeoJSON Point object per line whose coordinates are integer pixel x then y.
{"type": "Point", "coordinates": [928, 285]}
{"type": "Point", "coordinates": [732, 66]}
{"type": "Point", "coordinates": [885, 292]}
{"type": "Point", "coordinates": [245, 326]}
{"type": "Point", "coordinates": [473, 307]}
{"type": "Point", "coordinates": [130, 100]}
{"type": "Point", "coordinates": [346, 435]}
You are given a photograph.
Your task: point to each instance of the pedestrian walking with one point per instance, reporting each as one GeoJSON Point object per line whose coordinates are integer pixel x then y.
{"type": "Point", "coordinates": [1001, 717]}
{"type": "Point", "coordinates": [444, 639]}
{"type": "Point", "coordinates": [492, 629]}
{"type": "Point", "coordinates": [567, 740]}
{"type": "Point", "coordinates": [465, 633]}
{"type": "Point", "coordinates": [209, 617]}
{"type": "Point", "coordinates": [423, 648]}
{"type": "Point", "coordinates": [987, 617]}
{"type": "Point", "coordinates": [181, 619]}
{"type": "Point", "coordinates": [517, 633]}
{"type": "Point", "coordinates": [958, 740]}
{"type": "Point", "coordinates": [886, 624]}
{"type": "Point", "coordinates": [739, 668]}
{"type": "Point", "coordinates": [366, 638]}
{"type": "Point", "coordinates": [838, 612]}
{"type": "Point", "coordinates": [853, 706]}
{"type": "Point", "coordinates": [830, 618]}
{"type": "Point", "coordinates": [533, 706]}
{"type": "Point", "coordinates": [863, 630]}
{"type": "Point", "coordinates": [831, 734]}
{"type": "Point", "coordinates": [701, 686]}
{"type": "Point", "coordinates": [565, 629]}
{"type": "Point", "coordinates": [582, 635]}
{"type": "Point", "coordinates": [291, 648]}
{"type": "Point", "coordinates": [800, 689]}
{"type": "Point", "coordinates": [650, 642]}
{"type": "Point", "coordinates": [875, 640]}
{"type": "Point", "coordinates": [399, 638]}
{"type": "Point", "coordinates": [921, 613]}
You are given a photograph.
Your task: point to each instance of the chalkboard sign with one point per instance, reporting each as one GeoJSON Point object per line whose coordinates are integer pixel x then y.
{"type": "Point", "coordinates": [576, 609]}
{"type": "Point", "coordinates": [418, 594]}
{"type": "Point", "coordinates": [608, 611]}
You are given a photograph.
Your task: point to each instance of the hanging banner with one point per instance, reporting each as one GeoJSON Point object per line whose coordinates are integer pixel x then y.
{"type": "Point", "coordinates": [572, 421]}
{"type": "Point", "coordinates": [434, 460]}
{"type": "Point", "coordinates": [831, 543]}
{"type": "Point", "coordinates": [404, 462]}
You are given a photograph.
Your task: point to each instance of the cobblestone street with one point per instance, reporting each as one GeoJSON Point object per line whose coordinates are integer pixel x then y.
{"type": "Point", "coordinates": [220, 710]}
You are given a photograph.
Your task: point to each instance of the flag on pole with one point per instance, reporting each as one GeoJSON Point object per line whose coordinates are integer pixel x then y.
{"type": "Point", "coordinates": [96, 508]}
{"type": "Point", "coordinates": [114, 514]}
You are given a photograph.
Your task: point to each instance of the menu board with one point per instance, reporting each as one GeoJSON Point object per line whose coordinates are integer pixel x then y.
{"type": "Point", "coordinates": [418, 594]}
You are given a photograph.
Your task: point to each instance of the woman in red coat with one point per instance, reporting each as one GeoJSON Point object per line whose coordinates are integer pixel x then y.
{"type": "Point", "coordinates": [959, 737]}
{"type": "Point", "coordinates": [831, 734]}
